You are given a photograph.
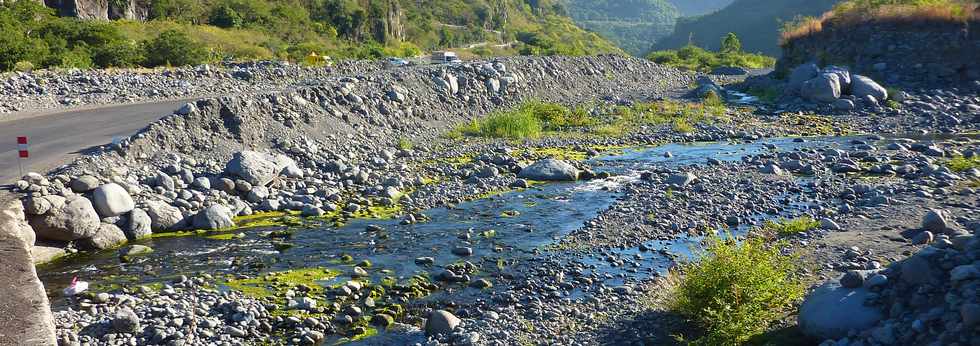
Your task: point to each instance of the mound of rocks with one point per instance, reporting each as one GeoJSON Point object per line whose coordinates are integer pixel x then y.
{"type": "Point", "coordinates": [835, 86]}
{"type": "Point", "coordinates": [930, 298]}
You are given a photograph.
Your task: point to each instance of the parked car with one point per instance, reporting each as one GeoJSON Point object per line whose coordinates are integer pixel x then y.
{"type": "Point", "coordinates": [444, 58]}
{"type": "Point", "coordinates": [397, 62]}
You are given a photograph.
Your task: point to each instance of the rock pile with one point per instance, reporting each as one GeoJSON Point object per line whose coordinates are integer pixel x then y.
{"type": "Point", "coordinates": [836, 86]}
{"type": "Point", "coordinates": [930, 298]}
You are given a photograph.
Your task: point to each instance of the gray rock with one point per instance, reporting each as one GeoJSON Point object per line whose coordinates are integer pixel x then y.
{"type": "Point", "coordinates": [831, 310]}
{"type": "Point", "coordinates": [112, 200]}
{"type": "Point", "coordinates": [441, 322]}
{"type": "Point", "coordinates": [84, 184]}
{"type": "Point", "coordinates": [924, 237]}
{"type": "Point", "coordinates": [970, 313]}
{"type": "Point", "coordinates": [829, 224]}
{"type": "Point", "coordinates": [214, 217]}
{"type": "Point", "coordinates": [138, 225]}
{"type": "Point", "coordinates": [550, 170]}
{"type": "Point", "coordinates": [682, 179]}
{"type": "Point", "coordinates": [202, 183]}
{"type": "Point", "coordinates": [862, 86]}
{"type": "Point", "coordinates": [108, 236]}
{"type": "Point", "coordinates": [135, 250]}
{"type": "Point", "coordinates": [935, 221]}
{"type": "Point", "coordinates": [824, 88]}
{"type": "Point", "coordinates": [852, 279]}
{"type": "Point", "coordinates": [254, 167]}
{"type": "Point", "coordinates": [126, 321]}
{"type": "Point", "coordinates": [843, 104]}
{"type": "Point", "coordinates": [163, 216]}
{"type": "Point", "coordinates": [916, 270]}
{"type": "Point", "coordinates": [800, 75]}
{"type": "Point", "coordinates": [843, 76]}
{"type": "Point", "coordinates": [68, 219]}
{"type": "Point", "coordinates": [964, 272]}
{"type": "Point", "coordinates": [165, 181]}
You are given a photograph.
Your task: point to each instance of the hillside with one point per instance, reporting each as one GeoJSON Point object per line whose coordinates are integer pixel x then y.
{"type": "Point", "coordinates": [756, 22]}
{"type": "Point", "coordinates": [266, 29]}
{"type": "Point", "coordinates": [632, 24]}
{"type": "Point", "coordinates": [691, 8]}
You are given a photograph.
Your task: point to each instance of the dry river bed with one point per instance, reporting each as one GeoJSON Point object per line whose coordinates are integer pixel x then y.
{"type": "Point", "coordinates": [519, 262]}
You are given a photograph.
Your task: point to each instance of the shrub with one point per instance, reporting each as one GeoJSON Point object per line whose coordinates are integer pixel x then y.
{"type": "Point", "coordinates": [77, 58]}
{"type": "Point", "coordinates": [225, 17]}
{"type": "Point", "coordinates": [736, 290]}
{"type": "Point", "coordinates": [793, 226]}
{"type": "Point", "coordinates": [513, 125]}
{"type": "Point", "coordinates": [699, 59]}
{"type": "Point", "coordinates": [24, 66]}
{"type": "Point", "coordinates": [117, 54]}
{"type": "Point", "coordinates": [404, 144]}
{"type": "Point", "coordinates": [174, 48]}
{"type": "Point", "coordinates": [961, 163]}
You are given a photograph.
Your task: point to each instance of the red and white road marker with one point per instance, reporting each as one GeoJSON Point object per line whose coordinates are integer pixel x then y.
{"type": "Point", "coordinates": [22, 152]}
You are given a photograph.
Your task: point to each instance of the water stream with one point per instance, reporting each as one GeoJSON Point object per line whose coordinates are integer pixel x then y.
{"type": "Point", "coordinates": [507, 226]}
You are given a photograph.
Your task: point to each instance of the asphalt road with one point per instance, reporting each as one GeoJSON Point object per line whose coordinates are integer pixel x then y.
{"type": "Point", "coordinates": [56, 138]}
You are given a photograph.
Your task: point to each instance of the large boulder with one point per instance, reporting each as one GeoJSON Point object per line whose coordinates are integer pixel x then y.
{"type": "Point", "coordinates": [441, 322]}
{"type": "Point", "coordinates": [824, 88]}
{"type": "Point", "coordinates": [84, 184]}
{"type": "Point", "coordinates": [550, 170]}
{"type": "Point", "coordinates": [832, 310]}
{"type": "Point", "coordinates": [259, 169]}
{"type": "Point", "coordinates": [112, 200]}
{"type": "Point", "coordinates": [800, 75]}
{"type": "Point", "coordinates": [862, 86]}
{"type": "Point", "coordinates": [68, 219]}
{"type": "Point", "coordinates": [108, 236]}
{"type": "Point", "coordinates": [26, 317]}
{"type": "Point", "coordinates": [214, 217]}
{"type": "Point", "coordinates": [843, 76]}
{"type": "Point", "coordinates": [138, 225]}
{"type": "Point", "coordinates": [163, 216]}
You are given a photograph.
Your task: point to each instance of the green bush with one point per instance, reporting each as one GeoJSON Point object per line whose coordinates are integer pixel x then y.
{"type": "Point", "coordinates": [24, 66]}
{"type": "Point", "coordinates": [962, 164]}
{"type": "Point", "coordinates": [695, 58]}
{"type": "Point", "coordinates": [117, 54]}
{"type": "Point", "coordinates": [174, 48]}
{"type": "Point", "coordinates": [736, 290]}
{"type": "Point", "coordinates": [786, 227]}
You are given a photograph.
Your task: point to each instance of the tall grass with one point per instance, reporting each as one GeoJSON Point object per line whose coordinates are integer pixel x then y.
{"type": "Point", "coordinates": [535, 118]}
{"type": "Point", "coordinates": [736, 290]}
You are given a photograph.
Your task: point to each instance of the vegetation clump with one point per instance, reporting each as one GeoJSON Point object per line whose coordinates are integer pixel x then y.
{"type": "Point", "coordinates": [786, 227]}
{"type": "Point", "coordinates": [736, 290]}
{"type": "Point", "coordinates": [852, 12]}
{"type": "Point", "coordinates": [694, 58]}
{"type": "Point", "coordinates": [534, 119]}
{"type": "Point", "coordinates": [962, 163]}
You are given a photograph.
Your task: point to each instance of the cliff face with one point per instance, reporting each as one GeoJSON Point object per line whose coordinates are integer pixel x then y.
{"type": "Point", "coordinates": [101, 9]}
{"type": "Point", "coordinates": [898, 53]}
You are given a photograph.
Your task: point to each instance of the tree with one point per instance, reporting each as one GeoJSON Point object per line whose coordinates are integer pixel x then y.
{"type": "Point", "coordinates": [225, 17]}
{"type": "Point", "coordinates": [174, 48]}
{"type": "Point", "coordinates": [730, 44]}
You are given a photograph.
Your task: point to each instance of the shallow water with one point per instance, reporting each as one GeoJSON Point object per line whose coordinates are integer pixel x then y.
{"type": "Point", "coordinates": [522, 222]}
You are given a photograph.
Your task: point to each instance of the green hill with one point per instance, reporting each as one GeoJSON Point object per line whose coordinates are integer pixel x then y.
{"type": "Point", "coordinates": [756, 22]}
{"type": "Point", "coordinates": [632, 24]}
{"type": "Point", "coordinates": [290, 29]}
